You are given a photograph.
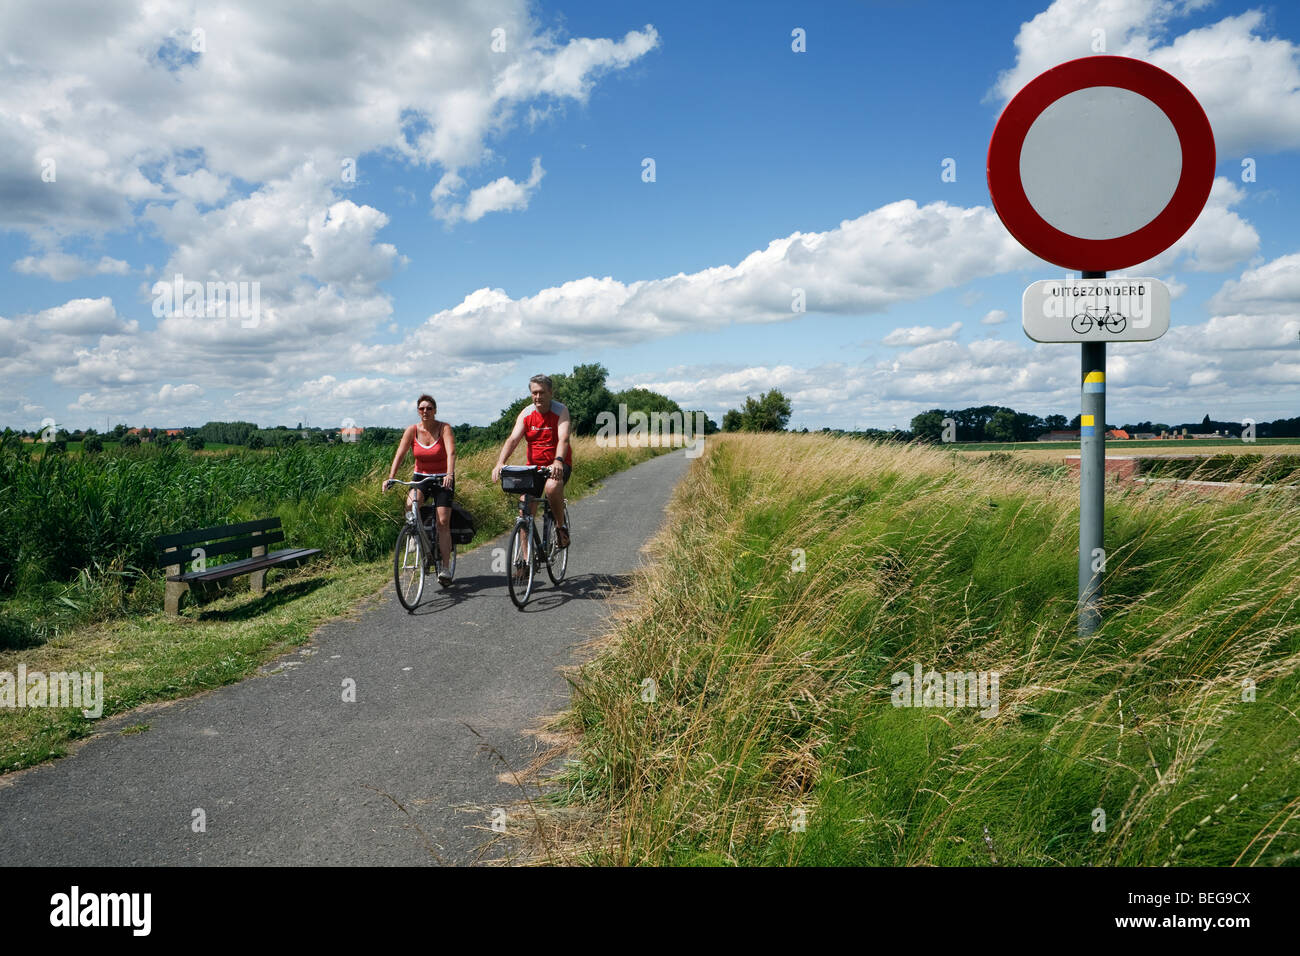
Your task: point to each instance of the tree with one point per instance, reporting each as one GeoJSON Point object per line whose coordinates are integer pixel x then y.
{"type": "Point", "coordinates": [130, 441]}
{"type": "Point", "coordinates": [92, 444]}
{"type": "Point", "coordinates": [1002, 426]}
{"type": "Point", "coordinates": [1054, 422]}
{"type": "Point", "coordinates": [731, 421]}
{"type": "Point", "coordinates": [585, 395]}
{"type": "Point", "coordinates": [256, 442]}
{"type": "Point", "coordinates": [768, 413]}
{"type": "Point", "coordinates": [928, 426]}
{"type": "Point", "coordinates": [194, 442]}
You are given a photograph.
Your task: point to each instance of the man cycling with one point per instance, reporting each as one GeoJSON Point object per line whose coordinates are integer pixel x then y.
{"type": "Point", "coordinates": [545, 426]}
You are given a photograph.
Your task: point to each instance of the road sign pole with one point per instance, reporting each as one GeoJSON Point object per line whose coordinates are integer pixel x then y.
{"type": "Point", "coordinates": [1092, 479]}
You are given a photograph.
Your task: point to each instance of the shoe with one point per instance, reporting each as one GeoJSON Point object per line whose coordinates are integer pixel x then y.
{"type": "Point", "coordinates": [562, 537]}
{"type": "Point", "coordinates": [444, 578]}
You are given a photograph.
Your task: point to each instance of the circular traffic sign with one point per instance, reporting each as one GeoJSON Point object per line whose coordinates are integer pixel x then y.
{"type": "Point", "coordinates": [1101, 163]}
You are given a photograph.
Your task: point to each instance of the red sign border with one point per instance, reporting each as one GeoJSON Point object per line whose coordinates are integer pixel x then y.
{"type": "Point", "coordinates": [1035, 233]}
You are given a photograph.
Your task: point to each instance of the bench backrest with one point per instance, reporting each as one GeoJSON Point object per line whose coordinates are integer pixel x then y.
{"type": "Point", "coordinates": [176, 550]}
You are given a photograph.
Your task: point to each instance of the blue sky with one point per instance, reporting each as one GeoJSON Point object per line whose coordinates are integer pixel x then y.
{"type": "Point", "coordinates": [499, 223]}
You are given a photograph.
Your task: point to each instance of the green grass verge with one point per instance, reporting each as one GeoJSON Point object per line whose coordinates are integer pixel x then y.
{"type": "Point", "coordinates": [742, 712]}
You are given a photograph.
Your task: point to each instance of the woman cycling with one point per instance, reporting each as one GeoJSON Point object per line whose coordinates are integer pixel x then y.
{"type": "Point", "coordinates": [435, 454]}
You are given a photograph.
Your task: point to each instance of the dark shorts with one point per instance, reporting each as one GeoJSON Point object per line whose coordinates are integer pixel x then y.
{"type": "Point", "coordinates": [568, 470]}
{"type": "Point", "coordinates": [438, 497]}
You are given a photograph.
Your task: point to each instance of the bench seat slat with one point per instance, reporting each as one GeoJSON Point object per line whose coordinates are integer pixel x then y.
{"type": "Point", "coordinates": [184, 555]}
{"type": "Point", "coordinates": [168, 541]}
{"type": "Point", "coordinates": [237, 568]}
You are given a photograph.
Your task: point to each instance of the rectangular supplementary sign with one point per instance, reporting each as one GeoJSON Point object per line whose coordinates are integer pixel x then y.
{"type": "Point", "coordinates": [1119, 309]}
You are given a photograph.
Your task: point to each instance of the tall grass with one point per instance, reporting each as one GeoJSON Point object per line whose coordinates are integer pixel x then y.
{"type": "Point", "coordinates": [772, 736]}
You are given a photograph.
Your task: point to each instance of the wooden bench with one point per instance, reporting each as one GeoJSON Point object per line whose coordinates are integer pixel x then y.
{"type": "Point", "coordinates": [175, 551]}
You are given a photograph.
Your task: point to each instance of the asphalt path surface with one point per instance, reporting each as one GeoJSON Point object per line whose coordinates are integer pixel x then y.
{"type": "Point", "coordinates": [285, 772]}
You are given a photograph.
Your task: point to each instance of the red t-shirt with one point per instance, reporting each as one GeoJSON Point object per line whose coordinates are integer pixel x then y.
{"type": "Point", "coordinates": [542, 432]}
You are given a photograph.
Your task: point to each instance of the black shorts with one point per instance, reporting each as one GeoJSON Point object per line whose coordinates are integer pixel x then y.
{"type": "Point", "coordinates": [568, 470]}
{"type": "Point", "coordinates": [438, 497]}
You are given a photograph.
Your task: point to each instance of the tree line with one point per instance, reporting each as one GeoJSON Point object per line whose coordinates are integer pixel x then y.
{"type": "Point", "coordinates": [998, 423]}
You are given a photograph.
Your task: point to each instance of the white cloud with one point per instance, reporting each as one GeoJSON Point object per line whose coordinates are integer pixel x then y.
{"type": "Point", "coordinates": [921, 335]}
{"type": "Point", "coordinates": [896, 253]}
{"type": "Point", "coordinates": [114, 95]}
{"type": "Point", "coordinates": [498, 195]}
{"type": "Point", "coordinates": [172, 395]}
{"type": "Point", "coordinates": [1248, 83]}
{"type": "Point", "coordinates": [994, 317]}
{"type": "Point", "coordinates": [62, 267]}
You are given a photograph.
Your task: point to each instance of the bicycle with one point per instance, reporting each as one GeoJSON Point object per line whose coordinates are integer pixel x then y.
{"type": "Point", "coordinates": [415, 553]}
{"type": "Point", "coordinates": [521, 569]}
{"type": "Point", "coordinates": [1083, 322]}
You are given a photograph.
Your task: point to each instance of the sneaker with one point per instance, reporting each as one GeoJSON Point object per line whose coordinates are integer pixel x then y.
{"type": "Point", "coordinates": [561, 538]}
{"type": "Point", "coordinates": [444, 578]}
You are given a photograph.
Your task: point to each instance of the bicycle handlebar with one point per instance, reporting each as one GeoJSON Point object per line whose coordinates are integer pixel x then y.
{"type": "Point", "coordinates": [437, 479]}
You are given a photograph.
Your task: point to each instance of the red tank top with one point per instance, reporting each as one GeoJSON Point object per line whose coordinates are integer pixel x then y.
{"type": "Point", "coordinates": [542, 432]}
{"type": "Point", "coordinates": [429, 459]}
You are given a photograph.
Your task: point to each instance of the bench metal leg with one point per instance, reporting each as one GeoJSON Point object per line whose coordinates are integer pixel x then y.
{"type": "Point", "coordinates": [172, 599]}
{"type": "Point", "coordinates": [257, 581]}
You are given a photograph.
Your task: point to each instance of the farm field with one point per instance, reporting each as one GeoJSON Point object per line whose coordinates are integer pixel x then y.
{"type": "Point", "coordinates": [1056, 452]}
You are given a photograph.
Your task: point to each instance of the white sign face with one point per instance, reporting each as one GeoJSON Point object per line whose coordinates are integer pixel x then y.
{"type": "Point", "coordinates": [1101, 162]}
{"type": "Point", "coordinates": [1118, 309]}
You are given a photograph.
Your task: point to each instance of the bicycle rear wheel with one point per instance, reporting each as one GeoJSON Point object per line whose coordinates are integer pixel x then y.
{"type": "Point", "coordinates": [557, 561]}
{"type": "Point", "coordinates": [520, 568]}
{"type": "Point", "coordinates": [408, 567]}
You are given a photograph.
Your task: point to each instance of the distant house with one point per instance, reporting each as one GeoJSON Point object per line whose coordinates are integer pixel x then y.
{"type": "Point", "coordinates": [1145, 436]}
{"type": "Point", "coordinates": [351, 433]}
{"type": "Point", "coordinates": [1118, 434]}
{"type": "Point", "coordinates": [1068, 434]}
{"type": "Point", "coordinates": [144, 432]}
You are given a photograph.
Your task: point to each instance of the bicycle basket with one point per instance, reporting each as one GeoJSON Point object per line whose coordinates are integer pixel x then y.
{"type": "Point", "coordinates": [522, 480]}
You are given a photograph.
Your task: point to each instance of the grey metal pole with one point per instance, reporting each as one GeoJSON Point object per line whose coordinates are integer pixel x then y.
{"type": "Point", "coordinates": [1092, 479]}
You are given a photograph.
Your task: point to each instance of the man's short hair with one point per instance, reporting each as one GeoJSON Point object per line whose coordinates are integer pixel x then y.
{"type": "Point", "coordinates": [543, 380]}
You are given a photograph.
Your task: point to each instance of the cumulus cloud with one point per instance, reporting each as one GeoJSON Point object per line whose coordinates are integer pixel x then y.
{"type": "Point", "coordinates": [921, 335]}
{"type": "Point", "coordinates": [62, 267]}
{"type": "Point", "coordinates": [994, 317]}
{"type": "Point", "coordinates": [105, 106]}
{"type": "Point", "coordinates": [500, 194]}
{"type": "Point", "coordinates": [896, 253]}
{"type": "Point", "coordinates": [1248, 82]}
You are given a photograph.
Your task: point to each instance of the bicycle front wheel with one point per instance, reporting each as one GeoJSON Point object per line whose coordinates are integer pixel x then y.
{"type": "Point", "coordinates": [558, 562]}
{"type": "Point", "coordinates": [521, 567]}
{"type": "Point", "coordinates": [408, 567]}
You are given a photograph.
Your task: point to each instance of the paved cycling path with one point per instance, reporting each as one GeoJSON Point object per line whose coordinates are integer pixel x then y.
{"type": "Point", "coordinates": [283, 768]}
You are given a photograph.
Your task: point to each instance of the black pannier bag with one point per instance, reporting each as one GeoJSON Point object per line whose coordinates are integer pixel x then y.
{"type": "Point", "coordinates": [462, 525]}
{"type": "Point", "coordinates": [522, 480]}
